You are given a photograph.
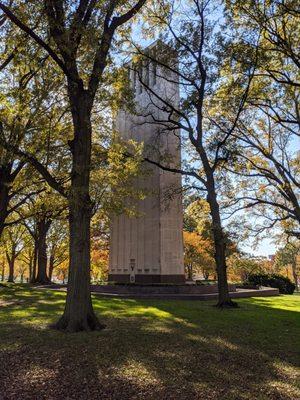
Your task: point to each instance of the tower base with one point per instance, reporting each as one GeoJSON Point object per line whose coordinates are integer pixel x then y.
{"type": "Point", "coordinates": [147, 278]}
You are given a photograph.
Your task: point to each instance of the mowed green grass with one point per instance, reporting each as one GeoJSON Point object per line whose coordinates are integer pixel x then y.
{"type": "Point", "coordinates": [150, 349]}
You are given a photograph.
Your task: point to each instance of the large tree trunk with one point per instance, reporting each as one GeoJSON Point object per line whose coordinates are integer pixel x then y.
{"type": "Point", "coordinates": [78, 314]}
{"type": "Point", "coordinates": [11, 265]}
{"type": "Point", "coordinates": [43, 227]}
{"type": "Point", "coordinates": [224, 299]}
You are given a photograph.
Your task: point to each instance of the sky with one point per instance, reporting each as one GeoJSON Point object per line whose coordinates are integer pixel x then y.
{"type": "Point", "coordinates": [265, 248]}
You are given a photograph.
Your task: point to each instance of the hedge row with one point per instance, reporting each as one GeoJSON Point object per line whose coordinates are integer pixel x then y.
{"type": "Point", "coordinates": [285, 285]}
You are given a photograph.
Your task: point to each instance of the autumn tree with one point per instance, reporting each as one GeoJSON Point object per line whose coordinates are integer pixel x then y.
{"type": "Point", "coordinates": [10, 167]}
{"type": "Point", "coordinates": [289, 255]}
{"type": "Point", "coordinates": [81, 36]}
{"type": "Point", "coordinates": [14, 244]}
{"type": "Point", "coordinates": [61, 272]}
{"type": "Point", "coordinates": [57, 245]}
{"type": "Point", "coordinates": [267, 157]}
{"type": "Point", "coordinates": [241, 265]}
{"type": "Point", "coordinates": [198, 255]}
{"type": "Point", "coordinates": [206, 123]}
{"type": "Point", "coordinates": [190, 33]}
{"type": "Point", "coordinates": [27, 255]}
{"type": "Point", "coordinates": [22, 271]}
{"type": "Point", "coordinates": [199, 240]}
{"type": "Point", "coordinates": [2, 262]}
{"type": "Point", "coordinates": [25, 101]}
{"type": "Point", "coordinates": [47, 209]}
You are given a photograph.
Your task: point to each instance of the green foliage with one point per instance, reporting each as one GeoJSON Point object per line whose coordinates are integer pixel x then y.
{"type": "Point", "coordinates": [285, 285]}
{"type": "Point", "coordinates": [288, 254]}
{"type": "Point", "coordinates": [265, 47]}
{"type": "Point", "coordinates": [241, 266]}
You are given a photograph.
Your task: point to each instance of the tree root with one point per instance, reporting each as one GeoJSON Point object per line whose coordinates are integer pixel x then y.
{"type": "Point", "coordinates": [72, 325]}
{"type": "Point", "coordinates": [227, 304]}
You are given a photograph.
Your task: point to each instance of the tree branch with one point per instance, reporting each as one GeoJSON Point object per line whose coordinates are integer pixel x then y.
{"type": "Point", "coordinates": [35, 163]}
{"type": "Point", "coordinates": [35, 37]}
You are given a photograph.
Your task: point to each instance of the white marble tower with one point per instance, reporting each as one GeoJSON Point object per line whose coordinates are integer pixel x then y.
{"type": "Point", "coordinates": [149, 248]}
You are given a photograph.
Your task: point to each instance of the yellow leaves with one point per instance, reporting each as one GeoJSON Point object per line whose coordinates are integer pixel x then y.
{"type": "Point", "coordinates": [199, 207]}
{"type": "Point", "coordinates": [99, 259]}
{"type": "Point", "coordinates": [120, 90]}
{"type": "Point", "coordinates": [197, 250]}
{"type": "Point", "coordinates": [196, 241]}
{"type": "Point", "coordinates": [113, 180]}
{"type": "Point", "coordinates": [199, 212]}
{"type": "Point", "coordinates": [124, 160]}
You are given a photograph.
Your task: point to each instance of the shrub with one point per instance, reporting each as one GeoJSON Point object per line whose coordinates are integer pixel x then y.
{"type": "Point", "coordinates": [205, 282]}
{"type": "Point", "coordinates": [285, 285]}
{"type": "Point", "coordinates": [159, 284]}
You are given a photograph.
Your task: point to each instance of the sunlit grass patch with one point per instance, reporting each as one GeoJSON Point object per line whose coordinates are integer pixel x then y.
{"type": "Point", "coordinates": [287, 302]}
{"type": "Point", "coordinates": [153, 349]}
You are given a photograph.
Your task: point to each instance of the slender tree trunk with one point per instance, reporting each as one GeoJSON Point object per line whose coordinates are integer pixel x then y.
{"type": "Point", "coordinates": [43, 227]}
{"type": "Point", "coordinates": [190, 272]}
{"type": "Point", "coordinates": [34, 262]}
{"type": "Point", "coordinates": [78, 314]}
{"type": "Point", "coordinates": [205, 275]}
{"type": "Point", "coordinates": [224, 299]}
{"type": "Point", "coordinates": [11, 266]}
{"type": "Point", "coordinates": [51, 266]}
{"type": "Point", "coordinates": [295, 275]}
{"type": "Point", "coordinates": [30, 267]}
{"type": "Point", "coordinates": [3, 271]}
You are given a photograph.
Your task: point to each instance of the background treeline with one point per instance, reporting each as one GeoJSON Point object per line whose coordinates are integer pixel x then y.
{"type": "Point", "coordinates": [64, 170]}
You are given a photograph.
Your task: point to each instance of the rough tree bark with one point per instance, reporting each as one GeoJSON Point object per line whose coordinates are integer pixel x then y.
{"type": "Point", "coordinates": [34, 261]}
{"type": "Point", "coordinates": [43, 226]}
{"type": "Point", "coordinates": [224, 299]}
{"type": "Point", "coordinates": [78, 314]}
{"type": "Point", "coordinates": [11, 265]}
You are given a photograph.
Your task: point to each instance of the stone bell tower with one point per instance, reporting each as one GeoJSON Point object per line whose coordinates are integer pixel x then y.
{"type": "Point", "coordinates": [149, 248]}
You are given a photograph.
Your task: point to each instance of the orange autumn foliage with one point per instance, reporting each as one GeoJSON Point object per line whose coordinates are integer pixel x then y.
{"type": "Point", "coordinates": [198, 255]}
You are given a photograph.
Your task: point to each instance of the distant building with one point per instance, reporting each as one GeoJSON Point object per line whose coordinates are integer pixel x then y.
{"type": "Point", "coordinates": [149, 248]}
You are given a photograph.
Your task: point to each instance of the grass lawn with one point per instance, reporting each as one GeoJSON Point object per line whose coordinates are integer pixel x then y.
{"type": "Point", "coordinates": [150, 349]}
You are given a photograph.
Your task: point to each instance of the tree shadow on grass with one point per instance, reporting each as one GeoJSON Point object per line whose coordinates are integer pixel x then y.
{"type": "Point", "coordinates": [151, 350]}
